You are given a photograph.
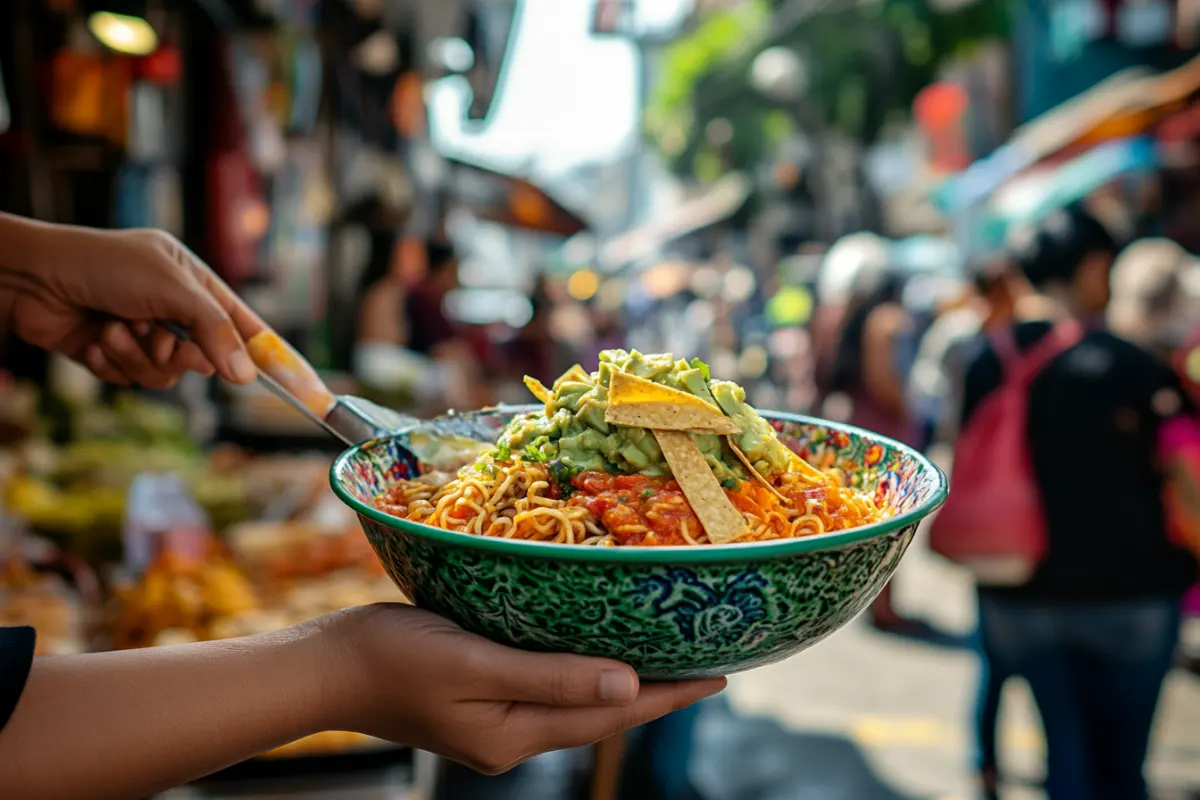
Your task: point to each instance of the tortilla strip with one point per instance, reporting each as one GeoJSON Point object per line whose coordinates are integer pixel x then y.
{"type": "Point", "coordinates": [802, 466]}
{"type": "Point", "coordinates": [720, 518]}
{"type": "Point", "coordinates": [536, 388]}
{"type": "Point", "coordinates": [667, 416]}
{"type": "Point", "coordinates": [737, 451]}
{"type": "Point", "coordinates": [638, 403]}
{"type": "Point", "coordinates": [576, 374]}
{"type": "Point", "coordinates": [625, 388]}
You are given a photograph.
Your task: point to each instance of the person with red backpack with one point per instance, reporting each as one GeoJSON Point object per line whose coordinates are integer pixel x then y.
{"type": "Point", "coordinates": [1156, 303]}
{"type": "Point", "coordinates": [1056, 503]}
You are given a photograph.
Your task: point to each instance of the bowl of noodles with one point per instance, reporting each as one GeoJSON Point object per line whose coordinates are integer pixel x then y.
{"type": "Point", "coordinates": [643, 512]}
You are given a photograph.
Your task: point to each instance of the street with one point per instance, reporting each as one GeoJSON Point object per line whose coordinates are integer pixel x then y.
{"type": "Point", "coordinates": [868, 716]}
{"type": "Point", "coordinates": [906, 704]}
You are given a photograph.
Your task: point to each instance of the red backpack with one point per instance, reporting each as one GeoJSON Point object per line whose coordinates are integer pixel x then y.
{"type": "Point", "coordinates": [992, 522]}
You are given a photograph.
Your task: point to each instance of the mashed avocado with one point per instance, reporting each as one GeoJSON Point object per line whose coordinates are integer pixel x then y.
{"type": "Point", "coordinates": [573, 434]}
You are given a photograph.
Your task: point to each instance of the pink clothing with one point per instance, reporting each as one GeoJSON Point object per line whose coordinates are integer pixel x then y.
{"type": "Point", "coordinates": [1191, 602]}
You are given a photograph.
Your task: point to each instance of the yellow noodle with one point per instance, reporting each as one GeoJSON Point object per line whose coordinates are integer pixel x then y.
{"type": "Point", "coordinates": [516, 500]}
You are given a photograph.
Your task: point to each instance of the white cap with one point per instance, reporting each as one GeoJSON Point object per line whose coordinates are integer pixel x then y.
{"type": "Point", "coordinates": [1155, 292]}
{"type": "Point", "coordinates": [848, 258]}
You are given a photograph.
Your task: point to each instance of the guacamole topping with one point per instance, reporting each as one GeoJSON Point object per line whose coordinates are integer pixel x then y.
{"type": "Point", "coordinates": [573, 435]}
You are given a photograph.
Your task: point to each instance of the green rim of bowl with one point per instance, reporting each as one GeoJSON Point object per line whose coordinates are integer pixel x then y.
{"type": "Point", "coordinates": [682, 554]}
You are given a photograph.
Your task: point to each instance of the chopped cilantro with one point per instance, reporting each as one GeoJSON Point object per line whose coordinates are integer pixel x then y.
{"type": "Point", "coordinates": [729, 483]}
{"type": "Point", "coordinates": [696, 363]}
{"type": "Point", "coordinates": [531, 453]}
{"type": "Point", "coordinates": [647, 494]}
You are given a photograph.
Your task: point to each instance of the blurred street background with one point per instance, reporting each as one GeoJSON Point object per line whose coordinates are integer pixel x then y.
{"type": "Point", "coordinates": [433, 198]}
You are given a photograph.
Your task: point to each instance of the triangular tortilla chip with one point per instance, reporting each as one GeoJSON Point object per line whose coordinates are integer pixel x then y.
{"type": "Point", "coordinates": [737, 451]}
{"type": "Point", "coordinates": [807, 469]}
{"type": "Point", "coordinates": [720, 518]}
{"type": "Point", "coordinates": [538, 390]}
{"type": "Point", "coordinates": [638, 403]}
{"type": "Point", "coordinates": [576, 374]}
{"type": "Point", "coordinates": [669, 417]}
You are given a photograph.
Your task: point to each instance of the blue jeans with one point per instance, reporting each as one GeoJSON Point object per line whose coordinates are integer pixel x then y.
{"type": "Point", "coordinates": [1095, 672]}
{"type": "Point", "coordinates": [988, 692]}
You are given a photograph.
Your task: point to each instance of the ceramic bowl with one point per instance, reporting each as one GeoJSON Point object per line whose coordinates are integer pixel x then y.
{"type": "Point", "coordinates": [670, 612]}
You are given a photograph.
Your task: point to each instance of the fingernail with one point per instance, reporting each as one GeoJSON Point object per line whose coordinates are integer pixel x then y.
{"type": "Point", "coordinates": [617, 687]}
{"type": "Point", "coordinates": [242, 367]}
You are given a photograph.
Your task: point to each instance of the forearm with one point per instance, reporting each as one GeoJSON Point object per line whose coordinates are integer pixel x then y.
{"type": "Point", "coordinates": [25, 245]}
{"type": "Point", "coordinates": [130, 723]}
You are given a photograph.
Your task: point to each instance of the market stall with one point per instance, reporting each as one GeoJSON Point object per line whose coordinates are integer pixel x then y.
{"type": "Point", "coordinates": [126, 534]}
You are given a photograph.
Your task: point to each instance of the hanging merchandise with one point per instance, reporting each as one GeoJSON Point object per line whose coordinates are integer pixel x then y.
{"type": "Point", "coordinates": [253, 90]}
{"type": "Point", "coordinates": [5, 111]}
{"type": "Point", "coordinates": [133, 206]}
{"type": "Point", "coordinates": [297, 239]}
{"type": "Point", "coordinates": [149, 197]}
{"type": "Point", "coordinates": [239, 216]}
{"type": "Point", "coordinates": [237, 210]}
{"type": "Point", "coordinates": [306, 85]}
{"type": "Point", "coordinates": [166, 199]}
{"type": "Point", "coordinates": [78, 95]}
{"type": "Point", "coordinates": [148, 124]}
{"type": "Point", "coordinates": [163, 67]}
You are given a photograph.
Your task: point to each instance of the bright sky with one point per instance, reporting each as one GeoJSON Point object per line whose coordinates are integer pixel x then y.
{"type": "Point", "coordinates": [567, 98]}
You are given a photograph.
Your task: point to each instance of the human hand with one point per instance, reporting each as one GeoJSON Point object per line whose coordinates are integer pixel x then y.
{"type": "Point", "coordinates": [406, 675]}
{"type": "Point", "coordinates": [98, 296]}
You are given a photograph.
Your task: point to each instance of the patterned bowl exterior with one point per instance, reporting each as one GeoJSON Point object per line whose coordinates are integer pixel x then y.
{"type": "Point", "coordinates": [670, 612]}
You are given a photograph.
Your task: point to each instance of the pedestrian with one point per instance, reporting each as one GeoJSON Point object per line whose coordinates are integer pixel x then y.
{"type": "Point", "coordinates": [936, 386]}
{"type": "Point", "coordinates": [1094, 629]}
{"type": "Point", "coordinates": [129, 724]}
{"type": "Point", "coordinates": [1156, 304]}
{"type": "Point", "coordinates": [869, 371]}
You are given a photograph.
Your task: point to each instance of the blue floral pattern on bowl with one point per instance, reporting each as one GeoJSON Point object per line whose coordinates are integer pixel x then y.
{"type": "Point", "coordinates": [670, 612]}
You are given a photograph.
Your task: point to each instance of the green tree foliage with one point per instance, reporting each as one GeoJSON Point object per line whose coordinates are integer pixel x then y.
{"type": "Point", "coordinates": [864, 62]}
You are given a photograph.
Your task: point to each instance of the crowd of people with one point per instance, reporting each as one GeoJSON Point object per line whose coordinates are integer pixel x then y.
{"type": "Point", "coordinates": [1094, 627]}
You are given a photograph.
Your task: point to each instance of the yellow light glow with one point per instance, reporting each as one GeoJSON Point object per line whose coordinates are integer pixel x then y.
{"type": "Point", "coordinates": [122, 33]}
{"type": "Point", "coordinates": [665, 280]}
{"type": "Point", "coordinates": [582, 285]}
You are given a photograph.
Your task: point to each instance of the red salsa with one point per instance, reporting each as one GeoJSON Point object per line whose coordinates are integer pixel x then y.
{"type": "Point", "coordinates": [635, 509]}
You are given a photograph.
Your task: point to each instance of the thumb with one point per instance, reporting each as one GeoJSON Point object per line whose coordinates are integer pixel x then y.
{"type": "Point", "coordinates": [559, 679]}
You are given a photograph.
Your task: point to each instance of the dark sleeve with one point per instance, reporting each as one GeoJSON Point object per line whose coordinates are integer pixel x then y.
{"type": "Point", "coordinates": [16, 657]}
{"type": "Point", "coordinates": [1158, 392]}
{"type": "Point", "coordinates": [983, 376]}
